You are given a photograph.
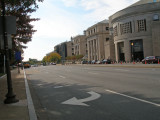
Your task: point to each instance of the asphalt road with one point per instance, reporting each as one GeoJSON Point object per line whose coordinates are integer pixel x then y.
{"type": "Point", "coordinates": [95, 93]}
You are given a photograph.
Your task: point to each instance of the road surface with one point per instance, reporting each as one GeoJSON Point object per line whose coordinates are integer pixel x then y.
{"type": "Point", "coordinates": [95, 93]}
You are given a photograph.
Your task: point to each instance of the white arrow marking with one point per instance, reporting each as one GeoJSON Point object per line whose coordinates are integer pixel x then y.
{"type": "Point", "coordinates": [58, 87]}
{"type": "Point", "coordinates": [75, 101]}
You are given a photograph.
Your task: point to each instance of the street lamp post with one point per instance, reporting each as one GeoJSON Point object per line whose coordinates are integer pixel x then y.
{"type": "Point", "coordinates": [10, 96]}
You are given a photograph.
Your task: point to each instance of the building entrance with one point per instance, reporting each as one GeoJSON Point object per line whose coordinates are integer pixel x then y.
{"type": "Point", "coordinates": [121, 51]}
{"type": "Point", "coordinates": [137, 50]}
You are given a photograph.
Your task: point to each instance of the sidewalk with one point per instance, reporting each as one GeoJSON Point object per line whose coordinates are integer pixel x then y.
{"type": "Point", "coordinates": [19, 110]}
{"type": "Point", "coordinates": [130, 65]}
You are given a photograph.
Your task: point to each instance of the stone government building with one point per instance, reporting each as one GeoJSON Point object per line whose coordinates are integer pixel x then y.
{"type": "Point", "coordinates": [129, 35]}
{"type": "Point", "coordinates": [136, 31]}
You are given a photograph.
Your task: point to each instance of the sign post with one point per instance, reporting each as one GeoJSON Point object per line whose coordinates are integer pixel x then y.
{"type": "Point", "coordinates": [10, 96]}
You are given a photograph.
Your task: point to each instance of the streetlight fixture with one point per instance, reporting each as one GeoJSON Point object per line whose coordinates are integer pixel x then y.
{"type": "Point", "coordinates": [132, 44]}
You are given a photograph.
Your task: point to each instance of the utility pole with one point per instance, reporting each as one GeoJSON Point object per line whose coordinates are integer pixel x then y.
{"type": "Point", "coordinates": [10, 96]}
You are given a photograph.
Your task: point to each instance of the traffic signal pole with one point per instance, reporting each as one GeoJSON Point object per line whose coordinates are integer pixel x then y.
{"type": "Point", "coordinates": [10, 96]}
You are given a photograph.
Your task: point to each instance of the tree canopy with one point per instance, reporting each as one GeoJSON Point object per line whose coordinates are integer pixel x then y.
{"type": "Point", "coordinates": [22, 9]}
{"type": "Point", "coordinates": [53, 57]}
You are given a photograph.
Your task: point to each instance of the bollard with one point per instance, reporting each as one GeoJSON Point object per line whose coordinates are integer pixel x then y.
{"type": "Point", "coordinates": [133, 62]}
{"type": "Point", "coordinates": [145, 62]}
{"type": "Point", "coordinates": [158, 61]}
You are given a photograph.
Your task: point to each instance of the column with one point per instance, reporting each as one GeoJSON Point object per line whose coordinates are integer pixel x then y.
{"type": "Point", "coordinates": [127, 50]}
{"type": "Point", "coordinates": [88, 50]}
{"type": "Point", "coordinates": [116, 51]}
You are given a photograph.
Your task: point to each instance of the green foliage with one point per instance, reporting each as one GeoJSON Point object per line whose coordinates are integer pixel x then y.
{"type": "Point", "coordinates": [77, 57]}
{"type": "Point", "coordinates": [22, 9]}
{"type": "Point", "coordinates": [53, 57]}
{"type": "Point", "coordinates": [33, 61]}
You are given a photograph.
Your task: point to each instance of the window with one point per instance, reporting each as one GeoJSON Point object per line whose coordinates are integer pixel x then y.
{"type": "Point", "coordinates": [107, 28]}
{"type": "Point", "coordinates": [141, 25]}
{"type": "Point", "coordinates": [155, 17]}
{"type": "Point", "coordinates": [107, 39]}
{"type": "Point", "coordinates": [126, 28]}
{"type": "Point", "coordinates": [115, 31]}
{"type": "Point", "coordinates": [94, 30]}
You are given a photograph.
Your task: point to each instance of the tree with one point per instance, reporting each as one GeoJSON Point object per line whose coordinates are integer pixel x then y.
{"type": "Point", "coordinates": [22, 10]}
{"type": "Point", "coordinates": [44, 59]}
{"type": "Point", "coordinates": [78, 57]}
{"type": "Point", "coordinates": [55, 57]}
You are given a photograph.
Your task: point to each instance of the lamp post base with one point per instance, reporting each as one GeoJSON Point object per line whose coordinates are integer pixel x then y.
{"type": "Point", "coordinates": [10, 99]}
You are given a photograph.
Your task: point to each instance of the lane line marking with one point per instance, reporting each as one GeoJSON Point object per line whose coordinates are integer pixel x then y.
{"type": "Point", "coordinates": [62, 76]}
{"type": "Point", "coordinates": [121, 70]}
{"type": "Point", "coordinates": [138, 99]}
{"type": "Point", "coordinates": [92, 73]}
{"type": "Point", "coordinates": [58, 87]}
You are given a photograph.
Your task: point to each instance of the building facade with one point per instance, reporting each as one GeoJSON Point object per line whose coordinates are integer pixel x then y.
{"type": "Point", "coordinates": [80, 45]}
{"type": "Point", "coordinates": [70, 48]}
{"type": "Point", "coordinates": [136, 31]}
{"type": "Point", "coordinates": [98, 41]}
{"type": "Point", "coordinates": [62, 50]}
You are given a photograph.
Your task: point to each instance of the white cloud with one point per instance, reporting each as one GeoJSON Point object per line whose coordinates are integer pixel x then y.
{"type": "Point", "coordinates": [104, 8]}
{"type": "Point", "coordinates": [55, 22]}
{"type": "Point", "coordinates": [99, 9]}
{"type": "Point", "coordinates": [70, 3]}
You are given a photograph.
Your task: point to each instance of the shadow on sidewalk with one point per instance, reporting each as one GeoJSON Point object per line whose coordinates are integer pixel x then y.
{"type": "Point", "coordinates": [19, 110]}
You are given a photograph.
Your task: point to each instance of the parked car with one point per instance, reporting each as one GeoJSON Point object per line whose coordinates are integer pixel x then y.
{"type": "Point", "coordinates": [106, 61]}
{"type": "Point", "coordinates": [151, 59]}
{"type": "Point", "coordinates": [84, 62]}
{"type": "Point", "coordinates": [93, 62]}
{"type": "Point", "coordinates": [26, 65]}
{"type": "Point", "coordinates": [53, 63]}
{"type": "Point", "coordinates": [98, 62]}
{"type": "Point", "coordinates": [89, 62]}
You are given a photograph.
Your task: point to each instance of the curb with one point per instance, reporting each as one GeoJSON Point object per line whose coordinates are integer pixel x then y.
{"type": "Point", "coordinates": [31, 109]}
{"type": "Point", "coordinates": [2, 76]}
{"type": "Point", "coordinates": [125, 66]}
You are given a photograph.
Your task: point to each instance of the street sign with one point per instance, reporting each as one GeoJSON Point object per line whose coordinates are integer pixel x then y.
{"type": "Point", "coordinates": [18, 56]}
{"type": "Point", "coordinates": [9, 42]}
{"type": "Point", "coordinates": [10, 25]}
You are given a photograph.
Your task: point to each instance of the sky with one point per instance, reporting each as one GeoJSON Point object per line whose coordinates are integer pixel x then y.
{"type": "Point", "coordinates": [61, 19]}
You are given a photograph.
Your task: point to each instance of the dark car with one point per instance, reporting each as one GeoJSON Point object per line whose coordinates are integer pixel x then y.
{"type": "Point", "coordinates": [151, 59]}
{"type": "Point", "coordinates": [84, 62]}
{"type": "Point", "coordinates": [106, 61]}
{"type": "Point", "coordinates": [89, 62]}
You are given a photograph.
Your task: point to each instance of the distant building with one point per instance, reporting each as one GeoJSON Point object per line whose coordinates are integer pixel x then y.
{"type": "Point", "coordinates": [70, 48]}
{"type": "Point", "coordinates": [80, 45]}
{"type": "Point", "coordinates": [98, 41]}
{"type": "Point", "coordinates": [136, 30]}
{"type": "Point", "coordinates": [62, 50]}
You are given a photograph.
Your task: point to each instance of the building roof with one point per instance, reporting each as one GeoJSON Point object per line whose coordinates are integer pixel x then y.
{"type": "Point", "coordinates": [101, 22]}
{"type": "Point", "coordinates": [141, 2]}
{"type": "Point", "coordinates": [138, 7]}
